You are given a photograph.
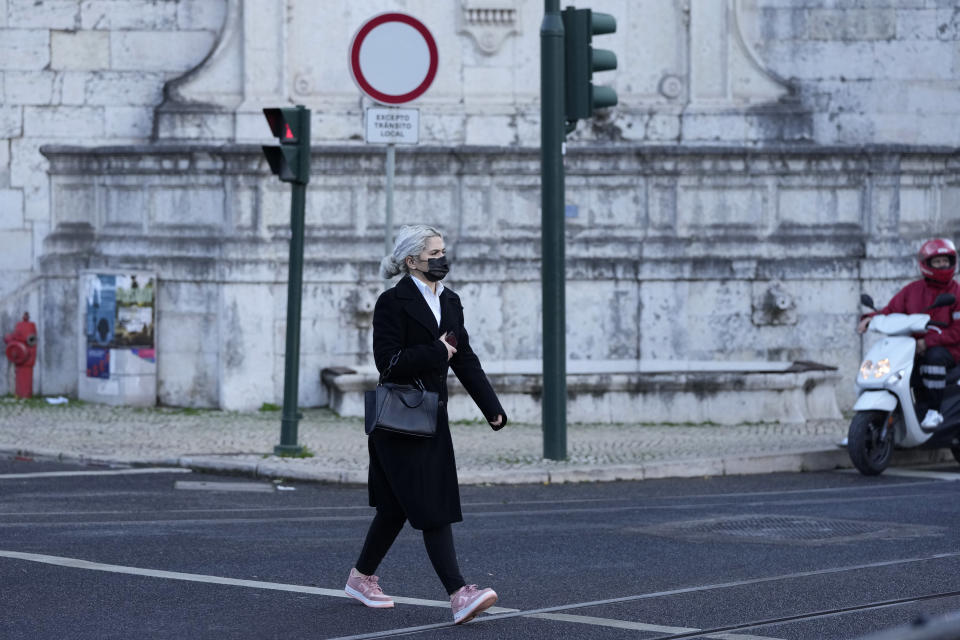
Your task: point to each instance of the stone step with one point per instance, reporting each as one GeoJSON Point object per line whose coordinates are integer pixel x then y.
{"type": "Point", "coordinates": [635, 391]}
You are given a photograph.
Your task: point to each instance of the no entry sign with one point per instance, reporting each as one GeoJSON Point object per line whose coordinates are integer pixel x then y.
{"type": "Point", "coordinates": [393, 58]}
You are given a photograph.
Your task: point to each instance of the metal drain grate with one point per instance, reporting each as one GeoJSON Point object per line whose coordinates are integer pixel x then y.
{"type": "Point", "coordinates": [785, 529]}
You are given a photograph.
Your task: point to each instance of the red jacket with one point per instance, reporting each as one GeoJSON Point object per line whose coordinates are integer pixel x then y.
{"type": "Point", "coordinates": [916, 297]}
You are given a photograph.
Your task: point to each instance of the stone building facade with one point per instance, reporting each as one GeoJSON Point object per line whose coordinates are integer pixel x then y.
{"type": "Point", "coordinates": [768, 161]}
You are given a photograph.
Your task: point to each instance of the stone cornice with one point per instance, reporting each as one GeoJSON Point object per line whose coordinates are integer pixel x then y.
{"type": "Point", "coordinates": [339, 159]}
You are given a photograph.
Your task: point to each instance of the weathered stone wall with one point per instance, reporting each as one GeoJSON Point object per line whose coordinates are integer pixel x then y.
{"type": "Point", "coordinates": [713, 254]}
{"type": "Point", "coordinates": [756, 248]}
{"type": "Point", "coordinates": [75, 72]}
{"type": "Point", "coordinates": [870, 70]}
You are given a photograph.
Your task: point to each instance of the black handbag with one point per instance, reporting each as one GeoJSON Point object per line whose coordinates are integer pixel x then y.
{"type": "Point", "coordinates": [400, 408]}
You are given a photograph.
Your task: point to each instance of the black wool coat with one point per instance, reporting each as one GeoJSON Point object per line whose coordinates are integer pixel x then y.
{"type": "Point", "coordinates": [414, 477]}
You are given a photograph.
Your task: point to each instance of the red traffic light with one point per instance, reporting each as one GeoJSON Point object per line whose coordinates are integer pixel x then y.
{"type": "Point", "coordinates": [290, 161]}
{"type": "Point", "coordinates": [285, 123]}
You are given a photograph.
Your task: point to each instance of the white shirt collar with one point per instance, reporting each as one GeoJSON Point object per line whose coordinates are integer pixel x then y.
{"type": "Point", "coordinates": [432, 299]}
{"type": "Point", "coordinates": [424, 289]}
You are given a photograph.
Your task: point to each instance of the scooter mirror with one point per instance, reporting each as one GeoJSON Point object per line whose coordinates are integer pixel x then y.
{"type": "Point", "coordinates": [867, 301]}
{"type": "Point", "coordinates": [943, 300]}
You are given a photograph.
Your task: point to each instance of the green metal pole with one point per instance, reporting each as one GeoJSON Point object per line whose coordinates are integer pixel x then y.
{"type": "Point", "coordinates": [291, 377]}
{"type": "Point", "coordinates": [552, 233]}
{"type": "Point", "coordinates": [388, 224]}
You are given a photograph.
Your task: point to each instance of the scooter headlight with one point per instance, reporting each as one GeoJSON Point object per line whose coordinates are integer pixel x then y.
{"type": "Point", "coordinates": [883, 368]}
{"type": "Point", "coordinates": [870, 370]}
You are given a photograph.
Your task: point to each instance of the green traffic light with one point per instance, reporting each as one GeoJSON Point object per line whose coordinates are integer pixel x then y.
{"type": "Point", "coordinates": [603, 60]}
{"type": "Point", "coordinates": [581, 60]}
{"type": "Point", "coordinates": [601, 23]}
{"type": "Point", "coordinates": [603, 97]}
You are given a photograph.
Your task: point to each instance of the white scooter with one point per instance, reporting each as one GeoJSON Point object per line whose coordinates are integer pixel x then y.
{"type": "Point", "coordinates": [885, 412]}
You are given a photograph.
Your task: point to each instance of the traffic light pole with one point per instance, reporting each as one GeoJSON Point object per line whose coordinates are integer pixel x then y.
{"type": "Point", "coordinates": [552, 233]}
{"type": "Point", "coordinates": [291, 163]}
{"type": "Point", "coordinates": [291, 376]}
{"type": "Point", "coordinates": [388, 223]}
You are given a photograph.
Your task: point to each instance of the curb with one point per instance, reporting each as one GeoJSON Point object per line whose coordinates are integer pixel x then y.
{"type": "Point", "coordinates": [788, 462]}
{"type": "Point", "coordinates": [50, 455]}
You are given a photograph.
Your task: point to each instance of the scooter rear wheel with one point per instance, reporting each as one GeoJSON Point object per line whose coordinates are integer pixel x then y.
{"type": "Point", "coordinates": [870, 441]}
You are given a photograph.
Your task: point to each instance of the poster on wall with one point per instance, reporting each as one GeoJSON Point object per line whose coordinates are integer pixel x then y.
{"type": "Point", "coordinates": [119, 315]}
{"type": "Point", "coordinates": [101, 293]}
{"type": "Point", "coordinates": [98, 363]}
{"type": "Point", "coordinates": [134, 323]}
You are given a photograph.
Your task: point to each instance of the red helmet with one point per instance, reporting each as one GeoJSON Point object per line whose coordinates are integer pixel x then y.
{"type": "Point", "coordinates": [932, 249]}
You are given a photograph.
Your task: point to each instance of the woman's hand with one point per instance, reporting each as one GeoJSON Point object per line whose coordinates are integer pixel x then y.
{"type": "Point", "coordinates": [862, 327]}
{"type": "Point", "coordinates": [450, 348]}
{"type": "Point", "coordinates": [497, 422]}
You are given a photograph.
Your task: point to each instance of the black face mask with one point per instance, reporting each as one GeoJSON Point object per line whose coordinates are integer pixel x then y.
{"type": "Point", "coordinates": [437, 268]}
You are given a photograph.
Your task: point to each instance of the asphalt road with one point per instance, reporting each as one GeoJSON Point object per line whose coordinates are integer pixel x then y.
{"type": "Point", "coordinates": [137, 553]}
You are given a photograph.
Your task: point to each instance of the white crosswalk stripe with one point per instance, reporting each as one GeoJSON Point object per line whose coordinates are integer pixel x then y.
{"type": "Point", "coordinates": [948, 476]}
{"type": "Point", "coordinates": [77, 563]}
{"type": "Point", "coordinates": [102, 472]}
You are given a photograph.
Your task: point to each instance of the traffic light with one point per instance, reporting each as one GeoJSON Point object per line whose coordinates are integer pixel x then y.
{"type": "Point", "coordinates": [581, 60]}
{"type": "Point", "coordinates": [291, 160]}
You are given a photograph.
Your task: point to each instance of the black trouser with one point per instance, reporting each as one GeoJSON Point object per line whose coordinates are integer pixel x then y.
{"type": "Point", "coordinates": [934, 364]}
{"type": "Point", "coordinates": [439, 543]}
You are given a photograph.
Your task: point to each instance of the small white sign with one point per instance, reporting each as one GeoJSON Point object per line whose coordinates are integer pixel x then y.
{"type": "Point", "coordinates": [392, 126]}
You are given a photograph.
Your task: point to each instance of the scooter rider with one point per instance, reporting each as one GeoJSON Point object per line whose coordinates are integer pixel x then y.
{"type": "Point", "coordinates": [937, 351]}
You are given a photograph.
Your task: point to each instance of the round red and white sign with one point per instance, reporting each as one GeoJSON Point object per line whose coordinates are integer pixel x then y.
{"type": "Point", "coordinates": [393, 58]}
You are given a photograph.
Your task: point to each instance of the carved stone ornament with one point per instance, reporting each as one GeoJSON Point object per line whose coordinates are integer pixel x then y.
{"type": "Point", "coordinates": [671, 86]}
{"type": "Point", "coordinates": [489, 22]}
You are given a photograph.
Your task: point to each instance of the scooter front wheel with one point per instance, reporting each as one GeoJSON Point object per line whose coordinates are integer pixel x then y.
{"type": "Point", "coordinates": [870, 441]}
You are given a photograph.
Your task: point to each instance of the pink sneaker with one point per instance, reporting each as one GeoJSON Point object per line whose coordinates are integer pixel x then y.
{"type": "Point", "coordinates": [366, 590]}
{"type": "Point", "coordinates": [468, 601]}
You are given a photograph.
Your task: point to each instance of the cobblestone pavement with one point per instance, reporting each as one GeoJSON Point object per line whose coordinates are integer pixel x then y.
{"type": "Point", "coordinates": [243, 442]}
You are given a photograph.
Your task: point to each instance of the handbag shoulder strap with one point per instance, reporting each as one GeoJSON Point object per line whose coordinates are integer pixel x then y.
{"type": "Point", "coordinates": [386, 372]}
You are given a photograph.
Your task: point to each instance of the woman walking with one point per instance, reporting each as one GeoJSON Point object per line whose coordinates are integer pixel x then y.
{"type": "Point", "coordinates": [418, 328]}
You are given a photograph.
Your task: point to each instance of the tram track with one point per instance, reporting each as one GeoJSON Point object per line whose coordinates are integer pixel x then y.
{"type": "Point", "coordinates": [813, 615]}
{"type": "Point", "coordinates": [546, 612]}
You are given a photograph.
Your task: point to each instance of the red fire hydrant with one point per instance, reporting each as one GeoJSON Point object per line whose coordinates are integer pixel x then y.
{"type": "Point", "coordinates": [22, 352]}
